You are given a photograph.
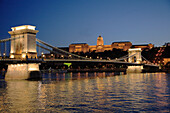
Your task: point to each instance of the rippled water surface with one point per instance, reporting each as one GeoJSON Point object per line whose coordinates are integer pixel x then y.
{"type": "Point", "coordinates": [87, 92]}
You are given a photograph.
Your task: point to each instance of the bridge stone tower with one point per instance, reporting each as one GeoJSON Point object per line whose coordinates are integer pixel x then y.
{"type": "Point", "coordinates": [135, 57]}
{"type": "Point", "coordinates": [24, 42]}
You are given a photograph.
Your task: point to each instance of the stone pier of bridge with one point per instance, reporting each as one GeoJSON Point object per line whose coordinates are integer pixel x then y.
{"type": "Point", "coordinates": [23, 46]}
{"type": "Point", "coordinates": [135, 57]}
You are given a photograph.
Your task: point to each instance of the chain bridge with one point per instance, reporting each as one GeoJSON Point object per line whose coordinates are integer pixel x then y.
{"type": "Point", "coordinates": [24, 48]}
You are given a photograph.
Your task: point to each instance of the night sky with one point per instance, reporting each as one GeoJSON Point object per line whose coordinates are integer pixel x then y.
{"type": "Point", "coordinates": [62, 22]}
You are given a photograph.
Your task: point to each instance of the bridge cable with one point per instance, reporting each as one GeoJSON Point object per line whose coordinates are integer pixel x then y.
{"type": "Point", "coordinates": [121, 58]}
{"type": "Point", "coordinates": [56, 48]}
{"type": "Point", "coordinates": [146, 59]}
{"type": "Point", "coordinates": [51, 51]}
{"type": "Point", "coordinates": [126, 57]}
{"type": "Point", "coordinates": [43, 48]}
{"type": "Point", "coordinates": [8, 39]}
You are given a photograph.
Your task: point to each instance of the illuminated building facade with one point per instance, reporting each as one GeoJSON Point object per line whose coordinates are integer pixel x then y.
{"type": "Point", "coordinates": [79, 47]}
{"type": "Point", "coordinates": [100, 47]}
{"type": "Point", "coordinates": [24, 42]}
{"type": "Point", "coordinates": [124, 45]}
{"type": "Point", "coordinates": [100, 44]}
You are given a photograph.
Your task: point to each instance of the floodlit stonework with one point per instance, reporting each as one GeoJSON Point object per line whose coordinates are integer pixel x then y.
{"type": "Point", "coordinates": [22, 71]}
{"type": "Point", "coordinates": [124, 45]}
{"type": "Point", "coordinates": [100, 47]}
{"type": "Point", "coordinates": [24, 42]}
{"type": "Point", "coordinates": [80, 47]}
{"type": "Point", "coordinates": [135, 57]}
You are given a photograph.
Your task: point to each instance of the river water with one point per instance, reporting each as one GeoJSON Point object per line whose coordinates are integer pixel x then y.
{"type": "Point", "coordinates": [87, 92]}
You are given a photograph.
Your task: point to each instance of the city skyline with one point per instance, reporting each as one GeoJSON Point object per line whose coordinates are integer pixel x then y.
{"type": "Point", "coordinates": [61, 23]}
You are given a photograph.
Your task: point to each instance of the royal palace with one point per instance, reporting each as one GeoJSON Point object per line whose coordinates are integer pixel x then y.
{"type": "Point", "coordinates": [100, 47]}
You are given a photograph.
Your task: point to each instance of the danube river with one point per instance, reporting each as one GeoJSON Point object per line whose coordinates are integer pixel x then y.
{"type": "Point", "coordinates": [87, 92]}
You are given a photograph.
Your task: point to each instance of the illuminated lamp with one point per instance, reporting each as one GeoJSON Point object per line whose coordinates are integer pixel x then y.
{"type": "Point", "coordinates": [23, 27]}
{"type": "Point", "coordinates": [12, 56]}
{"type": "Point", "coordinates": [23, 55]}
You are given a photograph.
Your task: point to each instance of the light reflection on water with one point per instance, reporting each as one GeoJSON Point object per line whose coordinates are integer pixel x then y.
{"type": "Point", "coordinates": [87, 92]}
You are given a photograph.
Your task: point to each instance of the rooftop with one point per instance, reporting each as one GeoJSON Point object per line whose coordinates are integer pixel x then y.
{"type": "Point", "coordinates": [121, 42]}
{"type": "Point", "coordinates": [141, 44]}
{"type": "Point", "coordinates": [78, 43]}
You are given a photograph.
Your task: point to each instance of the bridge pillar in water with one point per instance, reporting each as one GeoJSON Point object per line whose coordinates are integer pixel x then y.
{"type": "Point", "coordinates": [135, 57]}
{"type": "Point", "coordinates": [23, 42]}
{"type": "Point", "coordinates": [23, 71]}
{"type": "Point", "coordinates": [23, 45]}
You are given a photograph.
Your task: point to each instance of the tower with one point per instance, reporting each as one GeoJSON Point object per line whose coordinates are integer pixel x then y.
{"type": "Point", "coordinates": [135, 55]}
{"type": "Point", "coordinates": [23, 42]}
{"type": "Point", "coordinates": [100, 44]}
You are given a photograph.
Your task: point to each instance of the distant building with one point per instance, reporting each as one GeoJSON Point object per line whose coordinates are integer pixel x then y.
{"type": "Point", "coordinates": [124, 45]}
{"type": "Point", "coordinates": [79, 47]}
{"type": "Point", "coordinates": [143, 46]}
{"type": "Point", "coordinates": [100, 47]}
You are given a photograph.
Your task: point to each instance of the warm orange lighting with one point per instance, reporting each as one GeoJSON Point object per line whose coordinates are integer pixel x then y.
{"type": "Point", "coordinates": [33, 67]}
{"type": "Point", "coordinates": [23, 55]}
{"type": "Point", "coordinates": [12, 56]}
{"type": "Point", "coordinates": [138, 62]}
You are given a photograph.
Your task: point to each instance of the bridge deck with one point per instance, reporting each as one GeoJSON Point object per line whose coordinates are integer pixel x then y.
{"type": "Point", "coordinates": [72, 60]}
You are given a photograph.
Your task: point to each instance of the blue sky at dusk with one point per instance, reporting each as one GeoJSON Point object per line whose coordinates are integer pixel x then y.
{"type": "Point", "coordinates": [62, 22]}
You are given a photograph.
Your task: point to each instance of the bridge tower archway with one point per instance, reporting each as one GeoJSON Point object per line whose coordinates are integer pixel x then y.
{"type": "Point", "coordinates": [23, 42]}
{"type": "Point", "coordinates": [134, 55]}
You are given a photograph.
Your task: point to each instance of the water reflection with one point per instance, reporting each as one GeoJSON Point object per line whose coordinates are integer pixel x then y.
{"type": "Point", "coordinates": [19, 96]}
{"type": "Point", "coordinates": [75, 76]}
{"type": "Point", "coordinates": [87, 92]}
